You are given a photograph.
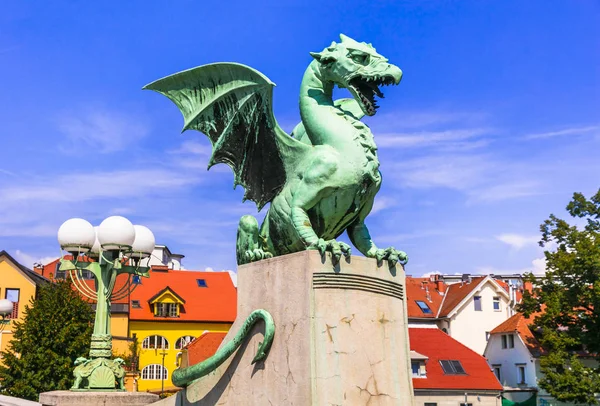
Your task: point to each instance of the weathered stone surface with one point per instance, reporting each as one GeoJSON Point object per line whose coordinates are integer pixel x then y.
{"type": "Point", "coordinates": [341, 337]}
{"type": "Point", "coordinates": [69, 398]}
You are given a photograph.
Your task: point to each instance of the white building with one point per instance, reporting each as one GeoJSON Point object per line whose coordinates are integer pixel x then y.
{"type": "Point", "coordinates": [163, 256]}
{"type": "Point", "coordinates": [467, 310]}
{"type": "Point", "coordinates": [514, 354]}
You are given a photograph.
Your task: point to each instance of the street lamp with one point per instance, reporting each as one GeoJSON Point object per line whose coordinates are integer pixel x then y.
{"type": "Point", "coordinates": [6, 308]}
{"type": "Point", "coordinates": [114, 247]}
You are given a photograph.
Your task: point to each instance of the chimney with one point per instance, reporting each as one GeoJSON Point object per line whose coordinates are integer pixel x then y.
{"type": "Point", "coordinates": [528, 286]}
{"type": "Point", "coordinates": [440, 286]}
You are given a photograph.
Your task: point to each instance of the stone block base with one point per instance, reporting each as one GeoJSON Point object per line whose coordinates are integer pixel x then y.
{"type": "Point", "coordinates": [69, 398]}
{"type": "Point", "coordinates": [341, 337]}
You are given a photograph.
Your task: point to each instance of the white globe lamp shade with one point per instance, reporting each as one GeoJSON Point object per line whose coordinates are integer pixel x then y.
{"type": "Point", "coordinates": [144, 242]}
{"type": "Point", "coordinates": [6, 307]}
{"type": "Point", "coordinates": [116, 232]}
{"type": "Point", "coordinates": [95, 251]}
{"type": "Point", "coordinates": [76, 235]}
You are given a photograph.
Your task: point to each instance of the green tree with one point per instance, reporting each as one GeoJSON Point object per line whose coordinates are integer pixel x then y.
{"type": "Point", "coordinates": [569, 298]}
{"type": "Point", "coordinates": [56, 329]}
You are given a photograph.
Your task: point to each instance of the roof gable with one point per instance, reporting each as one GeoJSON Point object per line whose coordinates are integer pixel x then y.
{"type": "Point", "coordinates": [520, 325]}
{"type": "Point", "coordinates": [31, 276]}
{"type": "Point", "coordinates": [166, 295]}
{"type": "Point", "coordinates": [459, 293]}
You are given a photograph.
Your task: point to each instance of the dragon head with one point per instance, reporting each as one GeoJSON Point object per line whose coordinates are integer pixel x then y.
{"type": "Point", "coordinates": [358, 67]}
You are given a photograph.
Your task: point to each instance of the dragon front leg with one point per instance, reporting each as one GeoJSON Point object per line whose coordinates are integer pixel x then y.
{"type": "Point", "coordinates": [360, 237]}
{"type": "Point", "coordinates": [311, 239]}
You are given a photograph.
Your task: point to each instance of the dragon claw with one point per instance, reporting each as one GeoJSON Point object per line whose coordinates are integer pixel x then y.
{"type": "Point", "coordinates": [257, 255]}
{"type": "Point", "coordinates": [391, 254]}
{"type": "Point", "coordinates": [336, 248]}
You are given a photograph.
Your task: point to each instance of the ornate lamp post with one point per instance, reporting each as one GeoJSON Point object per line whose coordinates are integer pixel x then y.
{"type": "Point", "coordinates": [6, 308]}
{"type": "Point", "coordinates": [115, 247]}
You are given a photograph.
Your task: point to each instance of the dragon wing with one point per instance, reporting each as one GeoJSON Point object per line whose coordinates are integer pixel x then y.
{"type": "Point", "coordinates": [232, 104]}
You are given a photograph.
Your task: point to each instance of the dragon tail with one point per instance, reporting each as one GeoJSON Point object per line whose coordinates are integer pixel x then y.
{"type": "Point", "coordinates": [182, 377]}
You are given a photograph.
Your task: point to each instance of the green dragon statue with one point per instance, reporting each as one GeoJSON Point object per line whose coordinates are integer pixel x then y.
{"type": "Point", "coordinates": [321, 180]}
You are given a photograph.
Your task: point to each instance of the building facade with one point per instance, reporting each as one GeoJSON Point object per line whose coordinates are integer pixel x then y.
{"type": "Point", "coordinates": [171, 309]}
{"type": "Point", "coordinates": [467, 310]}
{"type": "Point", "coordinates": [513, 353]}
{"type": "Point", "coordinates": [18, 284]}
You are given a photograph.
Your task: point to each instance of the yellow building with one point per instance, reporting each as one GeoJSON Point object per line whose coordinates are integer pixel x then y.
{"type": "Point", "coordinates": [19, 285]}
{"type": "Point", "coordinates": [170, 309]}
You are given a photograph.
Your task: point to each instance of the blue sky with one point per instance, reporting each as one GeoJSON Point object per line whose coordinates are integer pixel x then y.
{"type": "Point", "coordinates": [494, 126]}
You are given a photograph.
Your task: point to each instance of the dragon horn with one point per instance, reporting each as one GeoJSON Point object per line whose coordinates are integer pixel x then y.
{"type": "Point", "coordinates": [344, 38]}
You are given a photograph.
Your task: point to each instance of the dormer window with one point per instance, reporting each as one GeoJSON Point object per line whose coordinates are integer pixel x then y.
{"type": "Point", "coordinates": [418, 369]}
{"type": "Point", "coordinates": [167, 303]}
{"type": "Point", "coordinates": [166, 309]}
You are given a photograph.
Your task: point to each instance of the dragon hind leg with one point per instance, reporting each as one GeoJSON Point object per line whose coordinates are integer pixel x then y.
{"type": "Point", "coordinates": [248, 247]}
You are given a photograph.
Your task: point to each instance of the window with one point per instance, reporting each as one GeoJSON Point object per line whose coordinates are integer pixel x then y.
{"type": "Point", "coordinates": [496, 369]}
{"type": "Point", "coordinates": [466, 404]}
{"type": "Point", "coordinates": [497, 307]}
{"type": "Point", "coordinates": [424, 308]}
{"type": "Point", "coordinates": [166, 309]}
{"type": "Point", "coordinates": [418, 370]}
{"type": "Point", "coordinates": [487, 336]}
{"type": "Point", "coordinates": [13, 296]}
{"type": "Point", "coordinates": [136, 304]}
{"type": "Point", "coordinates": [156, 342]}
{"type": "Point", "coordinates": [155, 371]}
{"type": "Point", "coordinates": [183, 341]}
{"type": "Point", "coordinates": [452, 367]}
{"type": "Point", "coordinates": [201, 283]}
{"type": "Point", "coordinates": [477, 301]}
{"type": "Point", "coordinates": [508, 341]}
{"type": "Point", "coordinates": [521, 374]}
{"type": "Point", "coordinates": [430, 404]}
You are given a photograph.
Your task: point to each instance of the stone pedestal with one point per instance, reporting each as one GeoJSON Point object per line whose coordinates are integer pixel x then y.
{"type": "Point", "coordinates": [341, 337]}
{"type": "Point", "coordinates": [71, 398]}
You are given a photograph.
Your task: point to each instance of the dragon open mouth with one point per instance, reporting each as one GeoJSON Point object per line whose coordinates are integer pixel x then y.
{"type": "Point", "coordinates": [367, 87]}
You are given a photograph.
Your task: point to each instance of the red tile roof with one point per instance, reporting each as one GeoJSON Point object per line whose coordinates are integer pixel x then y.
{"type": "Point", "coordinates": [437, 345]}
{"type": "Point", "coordinates": [520, 324]}
{"type": "Point", "coordinates": [422, 289]}
{"type": "Point", "coordinates": [217, 302]}
{"type": "Point", "coordinates": [204, 347]}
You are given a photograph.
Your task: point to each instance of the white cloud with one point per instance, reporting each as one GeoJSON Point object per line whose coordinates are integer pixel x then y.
{"type": "Point", "coordinates": [568, 131]}
{"type": "Point", "coordinates": [28, 260]}
{"type": "Point", "coordinates": [102, 130]}
{"type": "Point", "coordinates": [518, 241]}
{"type": "Point", "coordinates": [427, 138]}
{"type": "Point", "coordinates": [193, 148]}
{"type": "Point", "coordinates": [382, 203]}
{"type": "Point", "coordinates": [537, 267]}
{"type": "Point", "coordinates": [96, 185]}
